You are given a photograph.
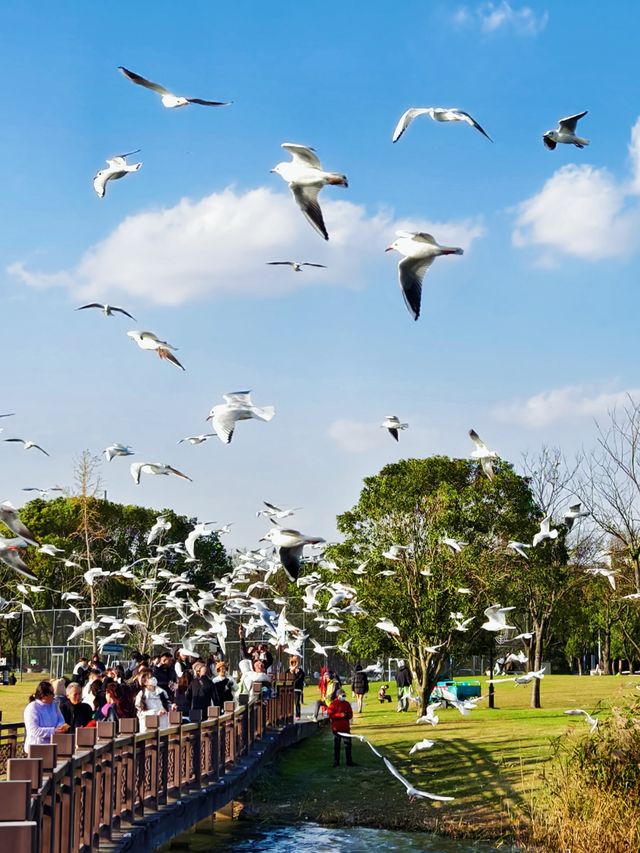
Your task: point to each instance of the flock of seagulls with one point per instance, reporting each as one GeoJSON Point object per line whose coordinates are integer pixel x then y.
{"type": "Point", "coordinates": [234, 595]}
{"type": "Point", "coordinates": [306, 177]}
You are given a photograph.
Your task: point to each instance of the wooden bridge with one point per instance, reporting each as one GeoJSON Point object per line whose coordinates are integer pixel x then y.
{"type": "Point", "coordinates": [109, 788]}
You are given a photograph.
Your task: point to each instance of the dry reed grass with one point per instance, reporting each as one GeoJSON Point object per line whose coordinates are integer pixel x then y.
{"type": "Point", "coordinates": [590, 798]}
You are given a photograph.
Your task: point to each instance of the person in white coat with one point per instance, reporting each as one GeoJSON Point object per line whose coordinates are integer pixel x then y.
{"type": "Point", "coordinates": [152, 700]}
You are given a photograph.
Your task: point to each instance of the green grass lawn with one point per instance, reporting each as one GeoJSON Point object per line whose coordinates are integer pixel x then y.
{"type": "Point", "coordinates": [13, 699]}
{"type": "Point", "coordinates": [490, 761]}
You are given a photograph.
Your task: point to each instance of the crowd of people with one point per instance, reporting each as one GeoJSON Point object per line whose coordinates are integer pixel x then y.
{"type": "Point", "coordinates": [142, 687]}
{"type": "Point", "coordinates": [180, 681]}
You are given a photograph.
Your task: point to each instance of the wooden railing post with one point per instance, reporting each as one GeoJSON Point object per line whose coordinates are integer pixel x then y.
{"type": "Point", "coordinates": [106, 731]}
{"type": "Point", "coordinates": [46, 754]}
{"type": "Point", "coordinates": [196, 746]}
{"type": "Point", "coordinates": [151, 749]}
{"type": "Point", "coordinates": [174, 766]}
{"type": "Point", "coordinates": [27, 769]}
{"type": "Point", "coordinates": [18, 836]}
{"type": "Point", "coordinates": [243, 702]}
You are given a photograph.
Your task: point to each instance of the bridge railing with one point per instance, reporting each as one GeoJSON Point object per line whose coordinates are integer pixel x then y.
{"type": "Point", "coordinates": [68, 796]}
{"type": "Point", "coordinates": [11, 743]}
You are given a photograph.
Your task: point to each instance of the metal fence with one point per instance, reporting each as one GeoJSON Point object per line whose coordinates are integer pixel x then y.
{"type": "Point", "coordinates": [44, 642]}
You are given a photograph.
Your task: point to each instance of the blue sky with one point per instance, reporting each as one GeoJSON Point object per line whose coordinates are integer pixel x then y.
{"type": "Point", "coordinates": [527, 338]}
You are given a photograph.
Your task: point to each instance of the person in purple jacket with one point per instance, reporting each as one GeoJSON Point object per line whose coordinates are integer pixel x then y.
{"type": "Point", "coordinates": [42, 716]}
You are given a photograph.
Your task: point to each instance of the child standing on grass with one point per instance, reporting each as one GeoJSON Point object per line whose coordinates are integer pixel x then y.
{"type": "Point", "coordinates": [340, 712]}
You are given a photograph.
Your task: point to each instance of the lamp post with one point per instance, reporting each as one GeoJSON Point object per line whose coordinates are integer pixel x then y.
{"type": "Point", "coordinates": [491, 650]}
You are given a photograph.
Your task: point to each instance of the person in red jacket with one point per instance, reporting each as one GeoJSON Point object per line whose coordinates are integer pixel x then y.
{"type": "Point", "coordinates": [340, 712]}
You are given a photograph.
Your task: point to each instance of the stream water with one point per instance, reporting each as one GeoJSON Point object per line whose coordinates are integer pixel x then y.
{"type": "Point", "coordinates": [245, 835]}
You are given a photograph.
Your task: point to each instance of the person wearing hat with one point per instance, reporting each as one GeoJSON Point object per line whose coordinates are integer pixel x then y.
{"type": "Point", "coordinates": [340, 713]}
{"type": "Point", "coordinates": [329, 686]}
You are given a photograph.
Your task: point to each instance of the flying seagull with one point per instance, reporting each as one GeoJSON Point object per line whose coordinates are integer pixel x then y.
{"type": "Point", "coordinates": [483, 454]}
{"type": "Point", "coordinates": [200, 530]}
{"type": "Point", "coordinates": [518, 548]}
{"type": "Point", "coordinates": [587, 718]}
{"type": "Point", "coordinates": [496, 618]}
{"type": "Point", "coordinates": [306, 177]}
{"type": "Point", "coordinates": [431, 717]}
{"type": "Point", "coordinates": [456, 545]}
{"type": "Point", "coordinates": [289, 545]}
{"type": "Point", "coordinates": [10, 557]}
{"type": "Point", "coordinates": [396, 552]}
{"type": "Point", "coordinates": [50, 550]}
{"type": "Point", "coordinates": [573, 513]}
{"type": "Point", "coordinates": [9, 516]}
{"type": "Point", "coordinates": [43, 492]}
{"type": "Point", "coordinates": [117, 449]}
{"type": "Point", "coordinates": [411, 791]}
{"type": "Point", "coordinates": [462, 624]}
{"type": "Point", "coordinates": [565, 133]}
{"type": "Point", "coordinates": [168, 99]}
{"type": "Point", "coordinates": [296, 266]}
{"type": "Point", "coordinates": [545, 532]}
{"type": "Point", "coordinates": [524, 678]}
{"type": "Point", "coordinates": [117, 168]}
{"type": "Point", "coordinates": [197, 439]}
{"type": "Point", "coordinates": [237, 406]}
{"type": "Point", "coordinates": [28, 445]}
{"type": "Point", "coordinates": [160, 526]}
{"type": "Point", "coordinates": [422, 744]}
{"type": "Point", "coordinates": [138, 468]}
{"type": "Point", "coordinates": [273, 511]}
{"type": "Point", "coordinates": [147, 340]}
{"type": "Point", "coordinates": [388, 626]}
{"type": "Point", "coordinates": [437, 114]}
{"type": "Point", "coordinates": [420, 251]}
{"type": "Point", "coordinates": [107, 310]}
{"type": "Point", "coordinates": [392, 423]}
{"type": "Point", "coordinates": [362, 739]}
{"type": "Point", "coordinates": [609, 574]}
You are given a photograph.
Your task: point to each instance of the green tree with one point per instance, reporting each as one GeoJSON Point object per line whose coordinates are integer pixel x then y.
{"type": "Point", "coordinates": [117, 535]}
{"type": "Point", "coordinates": [415, 503]}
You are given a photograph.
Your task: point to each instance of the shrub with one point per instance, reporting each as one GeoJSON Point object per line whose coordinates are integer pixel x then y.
{"type": "Point", "coordinates": [590, 798]}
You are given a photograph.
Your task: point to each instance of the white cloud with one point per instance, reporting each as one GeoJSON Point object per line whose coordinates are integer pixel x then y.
{"type": "Point", "coordinates": [492, 17]}
{"type": "Point", "coordinates": [353, 436]}
{"type": "Point", "coordinates": [220, 243]}
{"type": "Point", "coordinates": [584, 212]}
{"type": "Point", "coordinates": [580, 211]}
{"type": "Point", "coordinates": [570, 402]}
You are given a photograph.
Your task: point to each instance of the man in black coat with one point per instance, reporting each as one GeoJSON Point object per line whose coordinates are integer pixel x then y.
{"type": "Point", "coordinates": [76, 713]}
{"type": "Point", "coordinates": [165, 673]}
{"type": "Point", "coordinates": [200, 692]}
